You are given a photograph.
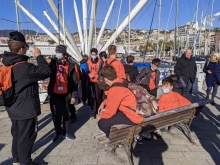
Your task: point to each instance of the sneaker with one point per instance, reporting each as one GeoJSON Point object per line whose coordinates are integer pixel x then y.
{"type": "Point", "coordinates": [57, 136]}
{"type": "Point", "coordinates": [147, 136]}
{"type": "Point", "coordinates": [158, 134]}
{"type": "Point", "coordinates": [139, 140]}
{"type": "Point", "coordinates": [17, 163]}
{"type": "Point", "coordinates": [69, 136]}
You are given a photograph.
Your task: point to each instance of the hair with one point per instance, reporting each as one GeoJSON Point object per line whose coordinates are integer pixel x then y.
{"type": "Point", "coordinates": [174, 77]}
{"type": "Point", "coordinates": [130, 59]}
{"type": "Point", "coordinates": [15, 46]}
{"type": "Point", "coordinates": [213, 54]}
{"type": "Point", "coordinates": [112, 50]}
{"type": "Point", "coordinates": [103, 54]}
{"type": "Point", "coordinates": [167, 80]}
{"type": "Point", "coordinates": [109, 73]}
{"type": "Point", "coordinates": [156, 61]}
{"type": "Point", "coordinates": [94, 50]}
{"type": "Point", "coordinates": [85, 57]}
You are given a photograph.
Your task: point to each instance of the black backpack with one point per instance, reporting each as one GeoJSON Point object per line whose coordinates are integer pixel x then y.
{"type": "Point", "coordinates": [101, 82]}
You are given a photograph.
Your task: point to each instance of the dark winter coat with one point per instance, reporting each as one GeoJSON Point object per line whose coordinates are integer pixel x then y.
{"type": "Point", "coordinates": [132, 71]}
{"type": "Point", "coordinates": [186, 68]}
{"type": "Point", "coordinates": [146, 72]}
{"type": "Point", "coordinates": [178, 87]}
{"type": "Point", "coordinates": [25, 80]}
{"type": "Point", "coordinates": [72, 79]}
{"type": "Point", "coordinates": [210, 78]}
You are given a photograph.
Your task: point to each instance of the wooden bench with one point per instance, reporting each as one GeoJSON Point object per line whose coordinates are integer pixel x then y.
{"type": "Point", "coordinates": [124, 134]}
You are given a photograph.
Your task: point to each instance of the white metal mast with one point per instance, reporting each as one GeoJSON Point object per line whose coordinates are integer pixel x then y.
{"type": "Point", "coordinates": [17, 14]}
{"type": "Point", "coordinates": [197, 9]}
{"type": "Point", "coordinates": [78, 25]}
{"type": "Point", "coordinates": [105, 22]}
{"type": "Point", "coordinates": [210, 23]}
{"type": "Point", "coordinates": [158, 31]}
{"type": "Point", "coordinates": [68, 34]}
{"type": "Point", "coordinates": [119, 11]}
{"type": "Point", "coordinates": [92, 25]}
{"type": "Point", "coordinates": [118, 31]}
{"type": "Point", "coordinates": [129, 27]}
{"type": "Point", "coordinates": [64, 33]}
{"type": "Point", "coordinates": [84, 8]}
{"type": "Point", "coordinates": [57, 30]}
{"type": "Point", "coordinates": [43, 27]}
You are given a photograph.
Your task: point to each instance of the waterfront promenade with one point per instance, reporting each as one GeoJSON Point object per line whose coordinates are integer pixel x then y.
{"type": "Point", "coordinates": [172, 149]}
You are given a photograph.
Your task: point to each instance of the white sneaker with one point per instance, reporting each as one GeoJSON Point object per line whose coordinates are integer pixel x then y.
{"type": "Point", "coordinates": [69, 136]}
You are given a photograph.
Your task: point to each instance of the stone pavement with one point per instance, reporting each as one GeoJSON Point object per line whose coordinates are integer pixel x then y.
{"type": "Point", "coordinates": [172, 149]}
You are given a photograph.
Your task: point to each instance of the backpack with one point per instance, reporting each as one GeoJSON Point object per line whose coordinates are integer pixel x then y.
{"type": "Point", "coordinates": [101, 82]}
{"type": "Point", "coordinates": [7, 93]}
{"type": "Point", "coordinates": [146, 104]}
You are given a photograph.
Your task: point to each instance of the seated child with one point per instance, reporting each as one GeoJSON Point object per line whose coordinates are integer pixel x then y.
{"type": "Point", "coordinates": [178, 87]}
{"type": "Point", "coordinates": [113, 110]}
{"type": "Point", "coordinates": [169, 99]}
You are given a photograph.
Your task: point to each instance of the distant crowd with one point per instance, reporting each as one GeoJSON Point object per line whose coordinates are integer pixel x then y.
{"type": "Point", "coordinates": [116, 93]}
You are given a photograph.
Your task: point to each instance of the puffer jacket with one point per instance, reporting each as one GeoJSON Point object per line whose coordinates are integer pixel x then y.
{"type": "Point", "coordinates": [25, 80]}
{"type": "Point", "coordinates": [146, 72]}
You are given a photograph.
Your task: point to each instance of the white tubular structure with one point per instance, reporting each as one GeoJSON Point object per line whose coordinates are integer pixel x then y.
{"type": "Point", "coordinates": [105, 22]}
{"type": "Point", "coordinates": [42, 26]}
{"type": "Point", "coordinates": [57, 30]}
{"type": "Point", "coordinates": [17, 14]}
{"type": "Point", "coordinates": [78, 25]}
{"type": "Point", "coordinates": [68, 34]}
{"type": "Point", "coordinates": [92, 25]}
{"type": "Point", "coordinates": [84, 8]}
{"type": "Point", "coordinates": [123, 25]}
{"type": "Point", "coordinates": [64, 33]}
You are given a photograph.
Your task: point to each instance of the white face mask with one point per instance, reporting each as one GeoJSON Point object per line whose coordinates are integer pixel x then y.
{"type": "Point", "coordinates": [59, 56]}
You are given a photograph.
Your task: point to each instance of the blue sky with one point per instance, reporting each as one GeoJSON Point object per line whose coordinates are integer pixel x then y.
{"type": "Point", "coordinates": [187, 10]}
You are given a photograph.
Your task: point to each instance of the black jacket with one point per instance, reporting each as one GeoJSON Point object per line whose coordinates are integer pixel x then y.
{"type": "Point", "coordinates": [186, 68]}
{"type": "Point", "coordinates": [146, 72]}
{"type": "Point", "coordinates": [132, 71]}
{"type": "Point", "coordinates": [72, 79]}
{"type": "Point", "coordinates": [25, 80]}
{"type": "Point", "coordinates": [178, 87]}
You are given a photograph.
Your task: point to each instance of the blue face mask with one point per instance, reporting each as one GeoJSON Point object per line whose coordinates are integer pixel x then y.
{"type": "Point", "coordinates": [94, 57]}
{"type": "Point", "coordinates": [59, 56]}
{"type": "Point", "coordinates": [152, 69]}
{"type": "Point", "coordinates": [165, 91]}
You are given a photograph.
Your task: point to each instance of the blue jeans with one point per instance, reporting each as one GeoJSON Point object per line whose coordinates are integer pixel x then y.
{"type": "Point", "coordinates": [214, 91]}
{"type": "Point", "coordinates": [188, 85]}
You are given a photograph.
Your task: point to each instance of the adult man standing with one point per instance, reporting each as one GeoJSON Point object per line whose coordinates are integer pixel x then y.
{"type": "Point", "coordinates": [186, 69]}
{"type": "Point", "coordinates": [24, 111]}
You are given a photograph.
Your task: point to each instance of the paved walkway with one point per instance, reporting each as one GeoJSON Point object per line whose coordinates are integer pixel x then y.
{"type": "Point", "coordinates": [172, 149]}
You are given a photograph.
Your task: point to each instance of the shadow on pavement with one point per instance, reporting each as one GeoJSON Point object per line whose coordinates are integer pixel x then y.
{"type": "Point", "coordinates": [206, 127]}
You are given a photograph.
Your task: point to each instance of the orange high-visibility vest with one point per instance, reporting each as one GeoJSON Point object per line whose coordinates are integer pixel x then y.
{"type": "Point", "coordinates": [94, 69]}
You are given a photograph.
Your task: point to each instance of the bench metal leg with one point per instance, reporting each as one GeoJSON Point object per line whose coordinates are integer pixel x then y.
{"type": "Point", "coordinates": [114, 149]}
{"type": "Point", "coordinates": [186, 130]}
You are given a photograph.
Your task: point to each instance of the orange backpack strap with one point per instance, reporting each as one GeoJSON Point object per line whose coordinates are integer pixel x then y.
{"type": "Point", "coordinates": [18, 63]}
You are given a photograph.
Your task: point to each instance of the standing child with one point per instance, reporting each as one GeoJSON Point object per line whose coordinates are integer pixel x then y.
{"type": "Point", "coordinates": [211, 81]}
{"type": "Point", "coordinates": [150, 76]}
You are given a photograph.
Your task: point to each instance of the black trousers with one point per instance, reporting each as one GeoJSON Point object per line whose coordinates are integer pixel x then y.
{"type": "Point", "coordinates": [118, 118]}
{"type": "Point", "coordinates": [24, 134]}
{"type": "Point", "coordinates": [59, 108]}
{"type": "Point", "coordinates": [153, 92]}
{"type": "Point", "coordinates": [95, 96]}
{"type": "Point", "coordinates": [84, 86]}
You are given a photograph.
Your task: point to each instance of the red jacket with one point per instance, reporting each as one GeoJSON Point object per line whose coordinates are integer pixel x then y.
{"type": "Point", "coordinates": [117, 99]}
{"type": "Point", "coordinates": [171, 100]}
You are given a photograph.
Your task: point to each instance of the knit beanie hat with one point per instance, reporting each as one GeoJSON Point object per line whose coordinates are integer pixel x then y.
{"type": "Point", "coordinates": [61, 49]}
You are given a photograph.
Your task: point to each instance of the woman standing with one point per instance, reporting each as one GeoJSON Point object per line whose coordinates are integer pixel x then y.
{"type": "Point", "coordinates": [211, 81]}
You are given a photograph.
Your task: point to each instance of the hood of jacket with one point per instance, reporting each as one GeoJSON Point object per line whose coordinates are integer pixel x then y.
{"type": "Point", "coordinates": [10, 58]}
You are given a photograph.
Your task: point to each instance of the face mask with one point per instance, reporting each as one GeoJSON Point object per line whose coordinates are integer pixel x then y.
{"type": "Point", "coordinates": [59, 56]}
{"type": "Point", "coordinates": [165, 91]}
{"type": "Point", "coordinates": [94, 57]}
